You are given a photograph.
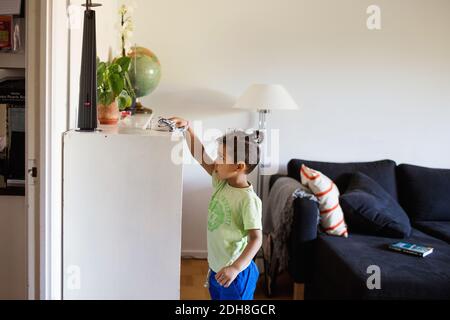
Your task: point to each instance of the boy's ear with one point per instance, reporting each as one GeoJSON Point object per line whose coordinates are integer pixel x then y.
{"type": "Point", "coordinates": [241, 166]}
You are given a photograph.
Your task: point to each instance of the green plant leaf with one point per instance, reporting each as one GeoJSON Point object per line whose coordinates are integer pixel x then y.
{"type": "Point", "coordinates": [117, 83]}
{"type": "Point", "coordinates": [115, 68]}
{"type": "Point", "coordinates": [113, 82]}
{"type": "Point", "coordinates": [101, 68]}
{"type": "Point", "coordinates": [106, 98]}
{"type": "Point", "coordinates": [125, 63]}
{"type": "Point", "coordinates": [124, 100]}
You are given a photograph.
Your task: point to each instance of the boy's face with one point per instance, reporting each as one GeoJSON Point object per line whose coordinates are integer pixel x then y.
{"type": "Point", "coordinates": [224, 166]}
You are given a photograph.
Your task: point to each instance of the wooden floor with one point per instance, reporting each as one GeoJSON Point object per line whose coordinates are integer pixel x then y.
{"type": "Point", "coordinates": [193, 276]}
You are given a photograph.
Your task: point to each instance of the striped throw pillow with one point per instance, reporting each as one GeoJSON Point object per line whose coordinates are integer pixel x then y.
{"type": "Point", "coordinates": [331, 215]}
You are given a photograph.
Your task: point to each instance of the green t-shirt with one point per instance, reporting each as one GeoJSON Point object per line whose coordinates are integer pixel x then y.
{"type": "Point", "coordinates": [231, 213]}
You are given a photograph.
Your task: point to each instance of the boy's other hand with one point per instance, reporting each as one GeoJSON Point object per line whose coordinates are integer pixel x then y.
{"type": "Point", "coordinates": [226, 276]}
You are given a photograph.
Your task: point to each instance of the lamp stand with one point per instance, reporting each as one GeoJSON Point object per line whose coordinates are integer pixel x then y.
{"type": "Point", "coordinates": [262, 126]}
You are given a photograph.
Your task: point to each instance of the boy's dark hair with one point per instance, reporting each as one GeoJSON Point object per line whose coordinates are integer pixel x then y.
{"type": "Point", "coordinates": [244, 147]}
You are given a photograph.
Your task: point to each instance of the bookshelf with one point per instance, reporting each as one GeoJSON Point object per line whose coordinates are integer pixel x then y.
{"type": "Point", "coordinates": [13, 66]}
{"type": "Point", "coordinates": [12, 135]}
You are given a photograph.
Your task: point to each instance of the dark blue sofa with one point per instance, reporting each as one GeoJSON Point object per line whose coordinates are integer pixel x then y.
{"type": "Point", "coordinates": [337, 268]}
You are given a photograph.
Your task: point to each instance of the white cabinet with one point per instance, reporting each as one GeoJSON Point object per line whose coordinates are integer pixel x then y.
{"type": "Point", "coordinates": [122, 200]}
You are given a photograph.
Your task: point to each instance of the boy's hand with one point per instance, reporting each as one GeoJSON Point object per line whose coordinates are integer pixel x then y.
{"type": "Point", "coordinates": [227, 275]}
{"type": "Point", "coordinates": [194, 142]}
{"type": "Point", "coordinates": [181, 123]}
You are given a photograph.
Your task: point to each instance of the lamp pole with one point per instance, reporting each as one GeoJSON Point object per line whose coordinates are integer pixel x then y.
{"type": "Point", "coordinates": [262, 124]}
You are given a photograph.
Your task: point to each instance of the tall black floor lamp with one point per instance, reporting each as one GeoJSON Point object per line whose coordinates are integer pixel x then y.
{"type": "Point", "coordinates": [87, 109]}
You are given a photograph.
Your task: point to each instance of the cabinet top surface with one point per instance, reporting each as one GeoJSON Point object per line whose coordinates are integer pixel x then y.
{"type": "Point", "coordinates": [124, 131]}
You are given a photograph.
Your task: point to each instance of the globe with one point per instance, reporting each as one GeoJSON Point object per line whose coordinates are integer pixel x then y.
{"type": "Point", "coordinates": [145, 71]}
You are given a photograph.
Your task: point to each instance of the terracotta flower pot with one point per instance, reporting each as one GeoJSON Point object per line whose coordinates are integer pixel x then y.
{"type": "Point", "coordinates": [108, 115]}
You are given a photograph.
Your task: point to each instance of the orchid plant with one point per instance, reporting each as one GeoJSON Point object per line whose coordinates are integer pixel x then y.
{"type": "Point", "coordinates": [126, 26]}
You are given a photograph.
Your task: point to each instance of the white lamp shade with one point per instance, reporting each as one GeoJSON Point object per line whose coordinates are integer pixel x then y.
{"type": "Point", "coordinates": [266, 97]}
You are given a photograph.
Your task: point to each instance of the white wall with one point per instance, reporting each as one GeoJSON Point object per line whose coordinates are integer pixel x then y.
{"type": "Point", "coordinates": [366, 95]}
{"type": "Point", "coordinates": [13, 272]}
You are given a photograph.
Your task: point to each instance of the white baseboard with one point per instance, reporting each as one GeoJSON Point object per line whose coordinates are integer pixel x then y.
{"type": "Point", "coordinates": [194, 254]}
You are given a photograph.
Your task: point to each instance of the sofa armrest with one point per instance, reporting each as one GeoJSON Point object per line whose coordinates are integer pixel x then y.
{"type": "Point", "coordinates": [274, 179]}
{"type": "Point", "coordinates": [303, 236]}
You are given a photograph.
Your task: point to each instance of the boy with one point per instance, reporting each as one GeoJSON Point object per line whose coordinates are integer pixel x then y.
{"type": "Point", "coordinates": [234, 215]}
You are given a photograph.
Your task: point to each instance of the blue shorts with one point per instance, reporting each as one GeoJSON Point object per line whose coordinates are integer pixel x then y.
{"type": "Point", "coordinates": [242, 288]}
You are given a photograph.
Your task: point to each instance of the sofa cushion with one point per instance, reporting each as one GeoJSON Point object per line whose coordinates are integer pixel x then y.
{"type": "Point", "coordinates": [382, 172]}
{"type": "Point", "coordinates": [331, 216]}
{"type": "Point", "coordinates": [371, 210]}
{"type": "Point", "coordinates": [437, 229]}
{"type": "Point", "coordinates": [342, 269]}
{"type": "Point", "coordinates": [424, 192]}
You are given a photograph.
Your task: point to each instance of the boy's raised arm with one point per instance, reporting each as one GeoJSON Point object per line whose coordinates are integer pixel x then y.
{"type": "Point", "coordinates": [195, 146]}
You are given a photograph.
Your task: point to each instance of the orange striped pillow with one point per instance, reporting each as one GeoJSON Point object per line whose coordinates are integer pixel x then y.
{"type": "Point", "coordinates": [331, 215]}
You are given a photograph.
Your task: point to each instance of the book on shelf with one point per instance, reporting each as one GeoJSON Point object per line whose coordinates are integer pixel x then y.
{"type": "Point", "coordinates": [6, 32]}
{"type": "Point", "coordinates": [12, 92]}
{"type": "Point", "coordinates": [413, 249]}
{"type": "Point", "coordinates": [12, 183]}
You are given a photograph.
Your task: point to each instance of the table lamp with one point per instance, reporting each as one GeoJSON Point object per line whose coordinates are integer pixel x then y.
{"type": "Point", "coordinates": [265, 98]}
